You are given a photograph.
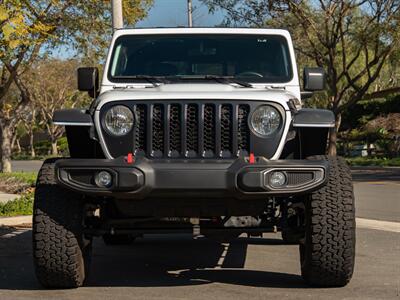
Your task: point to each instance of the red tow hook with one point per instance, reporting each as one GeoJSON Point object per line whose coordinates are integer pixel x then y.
{"type": "Point", "coordinates": [130, 159]}
{"type": "Point", "coordinates": [252, 159]}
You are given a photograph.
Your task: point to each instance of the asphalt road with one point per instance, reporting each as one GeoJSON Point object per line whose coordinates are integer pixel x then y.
{"type": "Point", "coordinates": [377, 192]}
{"type": "Point", "coordinates": [178, 267]}
{"type": "Point", "coordinates": [26, 165]}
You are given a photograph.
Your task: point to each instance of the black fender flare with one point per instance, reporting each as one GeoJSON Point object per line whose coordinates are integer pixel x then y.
{"type": "Point", "coordinates": [309, 117]}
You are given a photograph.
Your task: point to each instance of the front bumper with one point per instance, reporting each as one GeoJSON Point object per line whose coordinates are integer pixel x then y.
{"type": "Point", "coordinates": [215, 178]}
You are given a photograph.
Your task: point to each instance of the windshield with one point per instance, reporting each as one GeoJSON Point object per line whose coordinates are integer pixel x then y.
{"type": "Point", "coordinates": [253, 58]}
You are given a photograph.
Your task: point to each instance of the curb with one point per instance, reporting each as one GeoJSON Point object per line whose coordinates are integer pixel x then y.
{"type": "Point", "coordinates": [4, 197]}
{"type": "Point", "coordinates": [378, 225]}
{"type": "Point", "coordinates": [12, 221]}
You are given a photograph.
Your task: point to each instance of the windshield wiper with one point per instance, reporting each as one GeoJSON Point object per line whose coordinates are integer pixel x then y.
{"type": "Point", "coordinates": [154, 80]}
{"type": "Point", "coordinates": [229, 79]}
{"type": "Point", "coordinates": [220, 79]}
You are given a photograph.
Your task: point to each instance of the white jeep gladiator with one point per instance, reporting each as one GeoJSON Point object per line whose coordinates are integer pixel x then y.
{"type": "Point", "coordinates": [200, 131]}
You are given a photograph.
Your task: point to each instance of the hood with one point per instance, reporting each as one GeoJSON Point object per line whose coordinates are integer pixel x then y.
{"type": "Point", "coordinates": [198, 91]}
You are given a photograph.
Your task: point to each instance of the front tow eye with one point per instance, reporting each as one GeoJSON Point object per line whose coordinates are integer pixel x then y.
{"type": "Point", "coordinates": [252, 159]}
{"type": "Point", "coordinates": [130, 159]}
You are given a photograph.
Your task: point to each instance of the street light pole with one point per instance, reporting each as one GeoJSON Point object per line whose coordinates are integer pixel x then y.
{"type": "Point", "coordinates": [117, 14]}
{"type": "Point", "coordinates": [190, 13]}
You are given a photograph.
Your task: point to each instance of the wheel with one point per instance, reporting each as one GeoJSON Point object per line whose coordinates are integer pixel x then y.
{"type": "Point", "coordinates": [328, 251]}
{"type": "Point", "coordinates": [61, 253]}
{"type": "Point", "coordinates": [120, 239]}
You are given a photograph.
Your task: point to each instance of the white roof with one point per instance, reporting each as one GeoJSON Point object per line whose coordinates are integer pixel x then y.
{"type": "Point", "coordinates": [201, 30]}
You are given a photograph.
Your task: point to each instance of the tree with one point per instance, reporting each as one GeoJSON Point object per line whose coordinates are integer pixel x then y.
{"type": "Point", "coordinates": [29, 122]}
{"type": "Point", "coordinates": [28, 29]}
{"type": "Point", "coordinates": [55, 90]}
{"type": "Point", "coordinates": [353, 40]}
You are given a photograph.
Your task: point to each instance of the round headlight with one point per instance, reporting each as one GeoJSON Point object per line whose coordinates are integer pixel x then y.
{"type": "Point", "coordinates": [266, 120]}
{"type": "Point", "coordinates": [118, 120]}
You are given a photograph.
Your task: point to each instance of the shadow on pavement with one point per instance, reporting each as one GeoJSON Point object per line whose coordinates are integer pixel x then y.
{"type": "Point", "coordinates": [16, 267]}
{"type": "Point", "coordinates": [150, 262]}
{"type": "Point", "coordinates": [6, 230]}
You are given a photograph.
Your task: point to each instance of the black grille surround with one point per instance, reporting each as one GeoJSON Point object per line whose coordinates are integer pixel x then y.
{"type": "Point", "coordinates": [192, 129]}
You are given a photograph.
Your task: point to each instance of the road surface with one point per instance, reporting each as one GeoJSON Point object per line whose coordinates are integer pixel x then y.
{"type": "Point", "coordinates": [26, 165]}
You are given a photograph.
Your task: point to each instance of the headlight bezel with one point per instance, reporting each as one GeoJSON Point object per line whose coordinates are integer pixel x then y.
{"type": "Point", "coordinates": [278, 129]}
{"type": "Point", "coordinates": [113, 133]}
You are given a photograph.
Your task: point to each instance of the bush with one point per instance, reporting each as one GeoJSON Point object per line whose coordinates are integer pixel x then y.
{"type": "Point", "coordinates": [25, 156]}
{"type": "Point", "coordinates": [373, 161]}
{"type": "Point", "coordinates": [18, 207]}
{"type": "Point", "coordinates": [62, 145]}
{"type": "Point", "coordinates": [364, 111]}
{"type": "Point", "coordinates": [43, 150]}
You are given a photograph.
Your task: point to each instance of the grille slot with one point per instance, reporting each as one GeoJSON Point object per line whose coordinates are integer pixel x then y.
{"type": "Point", "coordinates": [243, 129]}
{"type": "Point", "coordinates": [158, 131]}
{"type": "Point", "coordinates": [226, 130]}
{"type": "Point", "coordinates": [140, 129]}
{"type": "Point", "coordinates": [209, 130]}
{"type": "Point", "coordinates": [191, 130]}
{"type": "Point", "coordinates": [175, 131]}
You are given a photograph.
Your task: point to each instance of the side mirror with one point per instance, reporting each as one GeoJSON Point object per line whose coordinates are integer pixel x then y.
{"type": "Point", "coordinates": [88, 81]}
{"type": "Point", "coordinates": [314, 79]}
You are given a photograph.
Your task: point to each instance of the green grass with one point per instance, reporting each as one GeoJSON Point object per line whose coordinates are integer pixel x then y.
{"type": "Point", "coordinates": [374, 161]}
{"type": "Point", "coordinates": [18, 207]}
{"type": "Point", "coordinates": [26, 177]}
{"type": "Point", "coordinates": [21, 183]}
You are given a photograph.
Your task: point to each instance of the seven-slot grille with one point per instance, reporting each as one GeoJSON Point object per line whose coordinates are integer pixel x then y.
{"type": "Point", "coordinates": [191, 130]}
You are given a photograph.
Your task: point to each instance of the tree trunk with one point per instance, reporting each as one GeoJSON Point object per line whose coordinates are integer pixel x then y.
{"type": "Point", "coordinates": [13, 140]}
{"type": "Point", "coordinates": [19, 150]}
{"type": "Point", "coordinates": [54, 150]}
{"type": "Point", "coordinates": [6, 149]}
{"type": "Point", "coordinates": [31, 144]}
{"type": "Point", "coordinates": [369, 149]}
{"type": "Point", "coordinates": [332, 150]}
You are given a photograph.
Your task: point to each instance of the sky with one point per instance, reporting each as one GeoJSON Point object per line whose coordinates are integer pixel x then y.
{"type": "Point", "coordinates": [172, 13]}
{"type": "Point", "coordinates": [166, 13]}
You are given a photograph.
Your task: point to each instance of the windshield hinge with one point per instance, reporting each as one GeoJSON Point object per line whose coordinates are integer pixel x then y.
{"type": "Point", "coordinates": [276, 87]}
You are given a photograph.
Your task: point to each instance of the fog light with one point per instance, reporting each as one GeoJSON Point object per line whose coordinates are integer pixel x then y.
{"type": "Point", "coordinates": [103, 179]}
{"type": "Point", "coordinates": [277, 179]}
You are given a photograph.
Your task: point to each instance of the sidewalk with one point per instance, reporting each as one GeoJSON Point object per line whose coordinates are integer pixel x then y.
{"type": "Point", "coordinates": [4, 198]}
{"type": "Point", "coordinates": [16, 221]}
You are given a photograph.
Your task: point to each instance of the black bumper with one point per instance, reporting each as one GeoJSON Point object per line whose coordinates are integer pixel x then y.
{"type": "Point", "coordinates": [191, 178]}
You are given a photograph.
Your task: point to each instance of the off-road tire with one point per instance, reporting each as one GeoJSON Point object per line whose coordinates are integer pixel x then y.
{"type": "Point", "coordinates": [61, 253]}
{"type": "Point", "coordinates": [120, 239]}
{"type": "Point", "coordinates": [328, 251]}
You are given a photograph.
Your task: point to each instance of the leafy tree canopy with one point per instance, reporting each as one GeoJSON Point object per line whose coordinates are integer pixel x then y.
{"type": "Point", "coordinates": [355, 41]}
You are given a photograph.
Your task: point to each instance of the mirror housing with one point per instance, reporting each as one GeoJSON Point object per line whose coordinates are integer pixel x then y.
{"type": "Point", "coordinates": [88, 80]}
{"type": "Point", "coordinates": [314, 79]}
